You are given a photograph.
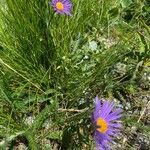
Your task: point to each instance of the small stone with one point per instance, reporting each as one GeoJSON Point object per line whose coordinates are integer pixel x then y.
{"type": "Point", "coordinates": [93, 45]}
{"type": "Point", "coordinates": [29, 120]}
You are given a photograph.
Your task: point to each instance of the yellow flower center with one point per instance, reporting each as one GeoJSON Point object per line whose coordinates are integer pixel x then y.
{"type": "Point", "coordinates": [102, 125]}
{"type": "Point", "coordinates": [60, 6]}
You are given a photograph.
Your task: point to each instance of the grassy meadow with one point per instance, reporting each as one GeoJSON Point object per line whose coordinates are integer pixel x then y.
{"type": "Point", "coordinates": [52, 66]}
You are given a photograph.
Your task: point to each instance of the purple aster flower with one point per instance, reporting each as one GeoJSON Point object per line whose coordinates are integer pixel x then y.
{"type": "Point", "coordinates": [62, 6]}
{"type": "Point", "coordinates": [105, 118]}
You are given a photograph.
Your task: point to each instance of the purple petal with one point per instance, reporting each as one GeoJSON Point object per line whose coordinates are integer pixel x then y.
{"type": "Point", "coordinates": [104, 107]}
{"type": "Point", "coordinates": [113, 133]}
{"type": "Point", "coordinates": [108, 109]}
{"type": "Point", "coordinates": [115, 125]}
{"type": "Point", "coordinates": [111, 118]}
{"type": "Point", "coordinates": [101, 140]}
{"type": "Point", "coordinates": [97, 109]}
{"type": "Point", "coordinates": [114, 115]}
